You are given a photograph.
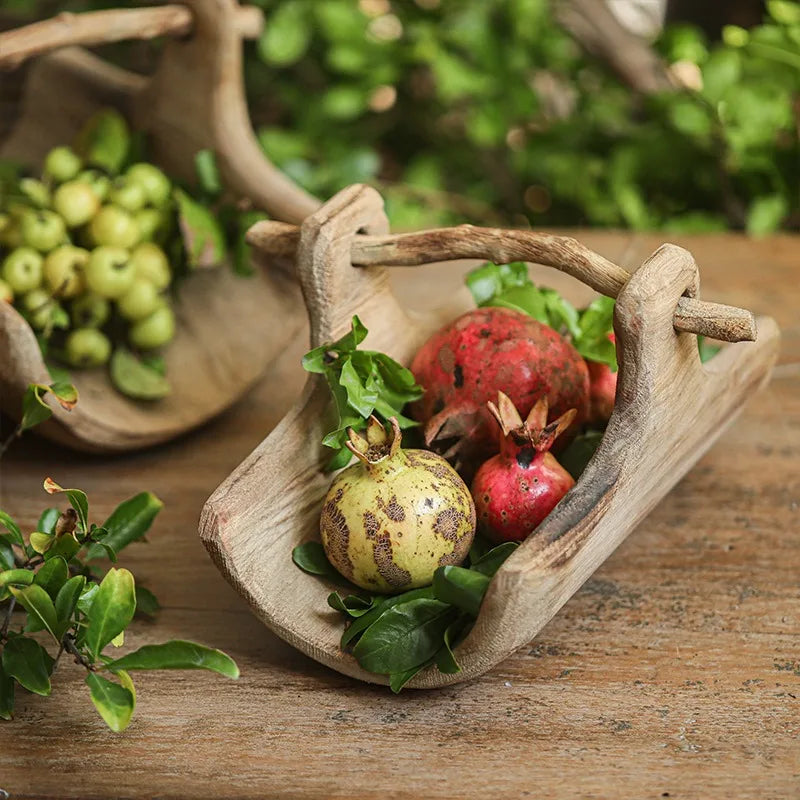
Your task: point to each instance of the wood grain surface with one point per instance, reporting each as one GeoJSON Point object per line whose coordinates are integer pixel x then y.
{"type": "Point", "coordinates": [674, 672]}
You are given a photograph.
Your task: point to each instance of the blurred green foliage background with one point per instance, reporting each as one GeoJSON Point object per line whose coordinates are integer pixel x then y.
{"type": "Point", "coordinates": [488, 111]}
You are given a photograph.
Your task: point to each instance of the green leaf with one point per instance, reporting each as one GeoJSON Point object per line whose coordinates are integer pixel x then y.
{"type": "Point", "coordinates": [87, 597]}
{"type": "Point", "coordinates": [134, 378]}
{"type": "Point", "coordinates": [493, 559]}
{"type": "Point", "coordinates": [29, 663]}
{"type": "Point", "coordinates": [446, 661]}
{"type": "Point", "coordinates": [177, 655]}
{"type": "Point", "coordinates": [785, 12]}
{"type": "Point", "coordinates": [77, 499]}
{"type": "Point", "coordinates": [379, 608]}
{"type": "Point", "coordinates": [112, 609]}
{"type": "Point", "coordinates": [7, 561]}
{"type": "Point", "coordinates": [67, 601]}
{"type": "Point", "coordinates": [287, 35]}
{"type": "Point", "coordinates": [104, 140]}
{"type": "Point", "coordinates": [463, 588]}
{"type": "Point", "coordinates": [65, 547]}
{"type": "Point", "coordinates": [146, 602]}
{"type": "Point", "coordinates": [16, 577]}
{"type": "Point", "coordinates": [6, 695]}
{"type": "Point", "coordinates": [242, 251]}
{"type": "Point", "coordinates": [405, 636]}
{"type": "Point", "coordinates": [35, 600]}
{"type": "Point", "coordinates": [489, 280]}
{"type": "Point", "coordinates": [595, 325]}
{"type": "Point", "coordinates": [311, 558]}
{"type": "Point", "coordinates": [128, 523]}
{"type": "Point", "coordinates": [47, 520]}
{"type": "Point", "coordinates": [205, 165]}
{"type": "Point", "coordinates": [352, 605]}
{"type": "Point", "coordinates": [113, 702]}
{"type": "Point", "coordinates": [707, 349]}
{"type": "Point", "coordinates": [34, 409]}
{"type": "Point", "coordinates": [40, 542]}
{"type": "Point", "coordinates": [8, 523]}
{"type": "Point", "coordinates": [52, 575]}
{"type": "Point", "coordinates": [397, 680]}
{"type": "Point", "coordinates": [766, 214]}
{"type": "Point", "coordinates": [358, 397]}
{"type": "Point", "coordinates": [578, 453]}
{"type": "Point", "coordinates": [203, 237]}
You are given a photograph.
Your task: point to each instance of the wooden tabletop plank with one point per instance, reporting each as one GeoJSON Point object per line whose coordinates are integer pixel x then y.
{"type": "Point", "coordinates": [674, 672]}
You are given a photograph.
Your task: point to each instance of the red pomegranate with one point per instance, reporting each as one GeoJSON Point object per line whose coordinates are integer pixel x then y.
{"type": "Point", "coordinates": [484, 351]}
{"type": "Point", "coordinates": [516, 489]}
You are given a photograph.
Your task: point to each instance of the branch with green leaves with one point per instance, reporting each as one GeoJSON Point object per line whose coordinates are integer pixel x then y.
{"type": "Point", "coordinates": [72, 607]}
{"type": "Point", "coordinates": [362, 383]}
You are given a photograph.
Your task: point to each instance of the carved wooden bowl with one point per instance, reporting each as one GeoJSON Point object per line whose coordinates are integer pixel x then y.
{"type": "Point", "coordinates": [229, 328]}
{"type": "Point", "coordinates": [669, 409]}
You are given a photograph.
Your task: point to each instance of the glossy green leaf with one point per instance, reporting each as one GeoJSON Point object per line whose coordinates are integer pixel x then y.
{"type": "Point", "coordinates": [13, 529]}
{"type": "Point", "coordinates": [104, 141]}
{"type": "Point", "coordinates": [29, 663]}
{"type": "Point", "coordinates": [490, 280]}
{"type": "Point", "coordinates": [493, 559]}
{"type": "Point", "coordinates": [311, 558]}
{"type": "Point", "coordinates": [112, 609]}
{"type": "Point", "coordinates": [446, 661]}
{"type": "Point", "coordinates": [579, 452]}
{"type": "Point", "coordinates": [135, 378]}
{"type": "Point", "coordinates": [113, 702]}
{"type": "Point", "coordinates": [6, 694]}
{"type": "Point", "coordinates": [382, 605]}
{"type": "Point", "coordinates": [707, 349]}
{"type": "Point", "coordinates": [77, 499]}
{"type": "Point", "coordinates": [16, 577]}
{"type": "Point", "coordinates": [287, 36]}
{"type": "Point", "coordinates": [205, 165]}
{"type": "Point", "coordinates": [203, 238]}
{"type": "Point", "coordinates": [35, 600]}
{"type": "Point", "coordinates": [6, 556]}
{"type": "Point", "coordinates": [146, 602]}
{"type": "Point", "coordinates": [405, 636]}
{"type": "Point", "coordinates": [52, 575]}
{"type": "Point", "coordinates": [47, 520]}
{"type": "Point", "coordinates": [352, 605]}
{"type": "Point", "coordinates": [595, 325]}
{"type": "Point", "coordinates": [87, 597]}
{"type": "Point", "coordinates": [460, 587]}
{"type": "Point", "coordinates": [65, 547]}
{"type": "Point", "coordinates": [41, 542]}
{"type": "Point", "coordinates": [397, 680]}
{"type": "Point", "coordinates": [67, 601]}
{"type": "Point", "coordinates": [177, 655]}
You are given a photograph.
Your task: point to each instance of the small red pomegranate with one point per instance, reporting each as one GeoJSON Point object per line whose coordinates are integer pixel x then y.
{"type": "Point", "coordinates": [516, 489]}
{"type": "Point", "coordinates": [484, 351]}
{"type": "Point", "coordinates": [602, 389]}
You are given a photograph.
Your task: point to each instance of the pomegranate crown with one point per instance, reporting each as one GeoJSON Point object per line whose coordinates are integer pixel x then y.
{"type": "Point", "coordinates": [378, 444]}
{"type": "Point", "coordinates": [535, 430]}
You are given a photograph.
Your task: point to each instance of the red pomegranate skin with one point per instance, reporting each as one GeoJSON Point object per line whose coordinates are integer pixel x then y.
{"type": "Point", "coordinates": [516, 489]}
{"type": "Point", "coordinates": [484, 351]}
{"type": "Point", "coordinates": [602, 390]}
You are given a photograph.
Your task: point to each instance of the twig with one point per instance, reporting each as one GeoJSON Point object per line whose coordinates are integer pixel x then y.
{"type": "Point", "coordinates": [7, 443]}
{"type": "Point", "coordinates": [69, 645]}
{"type": "Point", "coordinates": [7, 620]}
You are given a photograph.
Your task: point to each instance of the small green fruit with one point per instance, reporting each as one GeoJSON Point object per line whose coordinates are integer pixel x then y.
{"type": "Point", "coordinates": [114, 227]}
{"type": "Point", "coordinates": [153, 331]}
{"type": "Point", "coordinates": [156, 184]}
{"type": "Point", "coordinates": [152, 224]}
{"type": "Point", "coordinates": [151, 264]}
{"type": "Point", "coordinates": [63, 270]}
{"type": "Point", "coordinates": [140, 301]}
{"type": "Point", "coordinates": [127, 194]}
{"type": "Point", "coordinates": [22, 270]}
{"type": "Point", "coordinates": [76, 202]}
{"type": "Point", "coordinates": [87, 347]}
{"type": "Point", "coordinates": [43, 230]}
{"type": "Point", "coordinates": [109, 272]}
{"type": "Point", "coordinates": [6, 293]}
{"type": "Point", "coordinates": [62, 164]}
{"type": "Point", "coordinates": [39, 307]}
{"type": "Point", "coordinates": [99, 183]}
{"type": "Point", "coordinates": [390, 520]}
{"type": "Point", "coordinates": [90, 311]}
{"type": "Point", "coordinates": [35, 191]}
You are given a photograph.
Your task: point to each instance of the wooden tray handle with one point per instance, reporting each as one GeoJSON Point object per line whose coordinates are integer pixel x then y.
{"type": "Point", "coordinates": [103, 27]}
{"type": "Point", "coordinates": [714, 320]}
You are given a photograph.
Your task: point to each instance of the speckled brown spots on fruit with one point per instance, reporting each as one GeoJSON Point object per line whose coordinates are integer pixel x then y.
{"type": "Point", "coordinates": [447, 359]}
{"type": "Point", "coordinates": [394, 575]}
{"type": "Point", "coordinates": [333, 526]}
{"type": "Point", "coordinates": [447, 524]}
{"type": "Point", "coordinates": [371, 525]}
{"type": "Point", "coordinates": [392, 509]}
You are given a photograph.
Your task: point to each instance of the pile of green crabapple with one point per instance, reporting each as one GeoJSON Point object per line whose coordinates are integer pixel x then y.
{"type": "Point", "coordinates": [82, 257]}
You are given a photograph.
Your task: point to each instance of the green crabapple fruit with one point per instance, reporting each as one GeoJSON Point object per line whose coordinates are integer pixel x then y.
{"type": "Point", "coordinates": [152, 223]}
{"type": "Point", "coordinates": [114, 227]}
{"type": "Point", "coordinates": [22, 269]}
{"type": "Point", "coordinates": [140, 301]}
{"type": "Point", "coordinates": [153, 331]}
{"type": "Point", "coordinates": [39, 307]}
{"type": "Point", "coordinates": [43, 230]}
{"type": "Point", "coordinates": [127, 194]}
{"type": "Point", "coordinates": [76, 202]}
{"type": "Point", "coordinates": [87, 347]}
{"type": "Point", "coordinates": [109, 272]}
{"type": "Point", "coordinates": [62, 164]}
{"type": "Point", "coordinates": [89, 311]}
{"type": "Point", "coordinates": [35, 191]}
{"type": "Point", "coordinates": [156, 184]}
{"type": "Point", "coordinates": [151, 264]}
{"type": "Point", "coordinates": [6, 293]}
{"type": "Point", "coordinates": [98, 182]}
{"type": "Point", "coordinates": [63, 270]}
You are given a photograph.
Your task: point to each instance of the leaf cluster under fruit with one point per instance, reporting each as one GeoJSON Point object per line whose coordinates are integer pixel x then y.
{"type": "Point", "coordinates": [72, 607]}
{"type": "Point", "coordinates": [400, 635]}
{"type": "Point", "coordinates": [362, 382]}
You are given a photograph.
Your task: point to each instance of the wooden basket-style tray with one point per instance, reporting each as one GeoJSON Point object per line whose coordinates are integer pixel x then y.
{"type": "Point", "coordinates": [669, 409]}
{"type": "Point", "coordinates": [227, 331]}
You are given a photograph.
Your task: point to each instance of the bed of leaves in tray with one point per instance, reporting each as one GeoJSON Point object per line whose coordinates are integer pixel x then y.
{"type": "Point", "coordinates": [400, 635]}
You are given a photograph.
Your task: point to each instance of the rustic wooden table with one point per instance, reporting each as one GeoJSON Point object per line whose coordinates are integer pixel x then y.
{"type": "Point", "coordinates": [674, 672]}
